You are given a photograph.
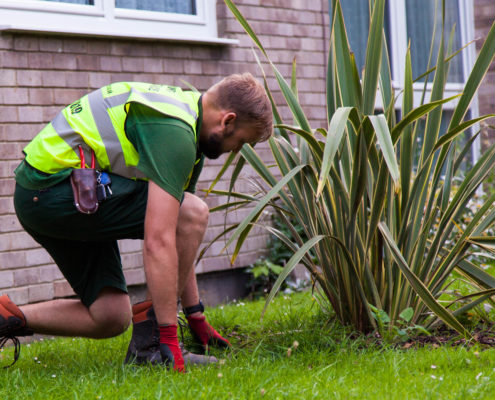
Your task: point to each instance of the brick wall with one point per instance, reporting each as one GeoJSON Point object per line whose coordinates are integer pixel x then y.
{"type": "Point", "coordinates": [41, 74]}
{"type": "Point", "coordinates": [484, 13]}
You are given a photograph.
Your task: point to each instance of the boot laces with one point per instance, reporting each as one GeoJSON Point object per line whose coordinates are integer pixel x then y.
{"type": "Point", "coordinates": [182, 325]}
{"type": "Point", "coordinates": [17, 347]}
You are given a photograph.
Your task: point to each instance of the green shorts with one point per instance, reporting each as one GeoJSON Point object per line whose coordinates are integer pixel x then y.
{"type": "Point", "coordinates": [85, 246]}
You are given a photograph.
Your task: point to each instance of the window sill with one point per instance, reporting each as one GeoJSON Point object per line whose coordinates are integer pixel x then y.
{"type": "Point", "coordinates": [120, 35]}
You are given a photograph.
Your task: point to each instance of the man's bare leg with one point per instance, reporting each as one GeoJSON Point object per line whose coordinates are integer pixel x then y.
{"type": "Point", "coordinates": [193, 221]}
{"type": "Point", "coordinates": [188, 241]}
{"type": "Point", "coordinates": [108, 316]}
{"type": "Point", "coordinates": [192, 224]}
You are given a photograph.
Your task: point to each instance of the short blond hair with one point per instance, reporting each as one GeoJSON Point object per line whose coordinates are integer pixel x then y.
{"type": "Point", "coordinates": [245, 96]}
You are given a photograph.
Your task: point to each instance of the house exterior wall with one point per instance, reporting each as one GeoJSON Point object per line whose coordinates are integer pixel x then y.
{"type": "Point", "coordinates": [484, 15]}
{"type": "Point", "coordinates": [40, 74]}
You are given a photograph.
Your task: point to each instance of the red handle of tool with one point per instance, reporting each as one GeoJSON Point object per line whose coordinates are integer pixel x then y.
{"type": "Point", "coordinates": [81, 156]}
{"type": "Point", "coordinates": [83, 161]}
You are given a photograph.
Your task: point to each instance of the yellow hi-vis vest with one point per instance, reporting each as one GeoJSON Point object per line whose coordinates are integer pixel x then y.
{"type": "Point", "coordinates": [96, 121]}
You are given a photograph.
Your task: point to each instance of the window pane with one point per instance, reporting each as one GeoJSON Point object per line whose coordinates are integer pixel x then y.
{"type": "Point", "coordinates": [357, 23]}
{"type": "Point", "coordinates": [88, 2]}
{"type": "Point", "coordinates": [171, 6]}
{"type": "Point", "coordinates": [420, 24]}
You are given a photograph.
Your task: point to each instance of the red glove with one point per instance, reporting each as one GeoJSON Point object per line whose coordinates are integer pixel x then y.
{"type": "Point", "coordinates": [169, 347]}
{"type": "Point", "coordinates": [205, 334]}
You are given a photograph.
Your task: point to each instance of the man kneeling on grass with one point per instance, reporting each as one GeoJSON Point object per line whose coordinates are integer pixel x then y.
{"type": "Point", "coordinates": [122, 163]}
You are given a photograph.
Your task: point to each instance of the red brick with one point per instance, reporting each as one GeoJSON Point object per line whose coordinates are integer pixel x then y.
{"type": "Point", "coordinates": [26, 276]}
{"type": "Point", "coordinates": [12, 59]}
{"type": "Point", "coordinates": [6, 279]}
{"type": "Point", "coordinates": [37, 256]}
{"type": "Point", "coordinates": [50, 273]}
{"type": "Point", "coordinates": [153, 64]}
{"type": "Point", "coordinates": [29, 78]}
{"type": "Point", "coordinates": [122, 48]}
{"type": "Point", "coordinates": [6, 40]}
{"type": "Point", "coordinates": [8, 114]}
{"type": "Point", "coordinates": [50, 112]}
{"type": "Point", "coordinates": [193, 67]}
{"type": "Point", "coordinates": [62, 289]}
{"type": "Point", "coordinates": [50, 44]}
{"type": "Point", "coordinates": [29, 43]}
{"type": "Point", "coordinates": [64, 61]}
{"type": "Point", "coordinates": [31, 114]}
{"type": "Point", "coordinates": [40, 292]}
{"type": "Point", "coordinates": [14, 96]}
{"type": "Point", "coordinates": [7, 168]}
{"type": "Point", "coordinates": [87, 63]}
{"type": "Point", "coordinates": [7, 77]}
{"type": "Point", "coordinates": [53, 78]}
{"type": "Point", "coordinates": [97, 80]}
{"type": "Point", "coordinates": [98, 46]}
{"type": "Point", "coordinates": [75, 45]}
{"type": "Point", "coordinates": [18, 295]}
{"type": "Point", "coordinates": [111, 63]}
{"type": "Point", "coordinates": [215, 264]}
{"type": "Point", "coordinates": [68, 96]}
{"type": "Point", "coordinates": [12, 259]}
{"type": "Point", "coordinates": [78, 79]}
{"type": "Point", "coordinates": [42, 96]}
{"type": "Point", "coordinates": [16, 240]}
{"type": "Point", "coordinates": [132, 64]}
{"type": "Point", "coordinates": [180, 52]}
{"type": "Point", "coordinates": [130, 245]}
{"type": "Point", "coordinates": [173, 66]}
{"type": "Point", "coordinates": [134, 276]}
{"type": "Point", "coordinates": [133, 260]}
{"type": "Point", "coordinates": [122, 77]}
{"type": "Point", "coordinates": [6, 207]}
{"type": "Point", "coordinates": [9, 223]}
{"type": "Point", "coordinates": [40, 61]}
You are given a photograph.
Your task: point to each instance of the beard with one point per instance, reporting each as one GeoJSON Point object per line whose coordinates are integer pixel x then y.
{"type": "Point", "coordinates": [211, 147]}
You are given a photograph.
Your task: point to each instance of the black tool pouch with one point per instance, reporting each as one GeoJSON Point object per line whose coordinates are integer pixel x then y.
{"type": "Point", "coordinates": [83, 182]}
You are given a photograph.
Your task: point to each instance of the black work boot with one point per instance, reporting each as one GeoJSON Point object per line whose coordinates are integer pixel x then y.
{"type": "Point", "coordinates": [144, 346]}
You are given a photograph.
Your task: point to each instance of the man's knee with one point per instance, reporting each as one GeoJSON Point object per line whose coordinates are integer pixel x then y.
{"type": "Point", "coordinates": [193, 214]}
{"type": "Point", "coordinates": [114, 325]}
{"type": "Point", "coordinates": [111, 313]}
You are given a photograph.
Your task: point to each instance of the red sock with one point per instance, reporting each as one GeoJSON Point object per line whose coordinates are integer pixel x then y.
{"type": "Point", "coordinates": [205, 333]}
{"type": "Point", "coordinates": [168, 337]}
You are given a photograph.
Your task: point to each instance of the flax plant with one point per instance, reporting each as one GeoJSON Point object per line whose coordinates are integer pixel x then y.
{"type": "Point", "coordinates": [380, 228]}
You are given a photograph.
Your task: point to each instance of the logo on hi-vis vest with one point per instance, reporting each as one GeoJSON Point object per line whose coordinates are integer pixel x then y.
{"type": "Point", "coordinates": [75, 108]}
{"type": "Point", "coordinates": [154, 88]}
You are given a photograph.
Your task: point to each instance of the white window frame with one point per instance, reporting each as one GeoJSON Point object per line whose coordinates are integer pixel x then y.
{"type": "Point", "coordinates": [103, 19]}
{"type": "Point", "coordinates": [398, 45]}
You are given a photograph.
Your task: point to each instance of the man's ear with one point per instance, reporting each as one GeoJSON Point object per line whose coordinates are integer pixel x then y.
{"type": "Point", "coordinates": [228, 119]}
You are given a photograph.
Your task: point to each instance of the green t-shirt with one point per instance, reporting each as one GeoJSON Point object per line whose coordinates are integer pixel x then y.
{"type": "Point", "coordinates": [166, 148]}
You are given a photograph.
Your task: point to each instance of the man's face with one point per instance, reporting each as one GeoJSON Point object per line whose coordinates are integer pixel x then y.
{"type": "Point", "coordinates": [219, 141]}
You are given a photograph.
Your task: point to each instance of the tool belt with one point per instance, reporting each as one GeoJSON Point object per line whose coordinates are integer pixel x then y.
{"type": "Point", "coordinates": [89, 186]}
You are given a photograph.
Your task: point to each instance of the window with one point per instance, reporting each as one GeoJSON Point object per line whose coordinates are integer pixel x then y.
{"type": "Point", "coordinates": [414, 20]}
{"type": "Point", "coordinates": [178, 20]}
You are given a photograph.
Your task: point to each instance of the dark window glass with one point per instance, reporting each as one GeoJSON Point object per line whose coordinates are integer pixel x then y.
{"type": "Point", "coordinates": [171, 6]}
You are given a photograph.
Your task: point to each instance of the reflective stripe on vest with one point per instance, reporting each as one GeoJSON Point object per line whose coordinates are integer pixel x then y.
{"type": "Point", "coordinates": [96, 121]}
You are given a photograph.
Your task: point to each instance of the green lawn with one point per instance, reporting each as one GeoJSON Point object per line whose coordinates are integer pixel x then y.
{"type": "Point", "coordinates": [324, 365]}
